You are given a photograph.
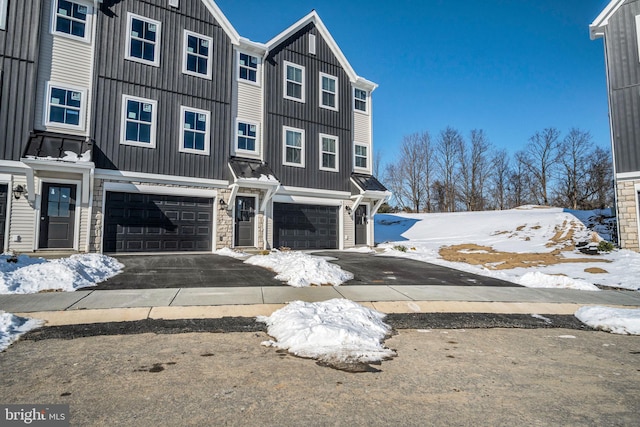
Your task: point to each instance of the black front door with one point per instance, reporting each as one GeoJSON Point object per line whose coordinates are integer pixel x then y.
{"type": "Point", "coordinates": [244, 221]}
{"type": "Point", "coordinates": [361, 225]}
{"type": "Point", "coordinates": [58, 216]}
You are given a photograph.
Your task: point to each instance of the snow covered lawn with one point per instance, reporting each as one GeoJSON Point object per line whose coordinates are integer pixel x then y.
{"type": "Point", "coordinates": [11, 327]}
{"type": "Point", "coordinates": [337, 332]}
{"type": "Point", "coordinates": [299, 269]}
{"type": "Point", "coordinates": [24, 274]}
{"type": "Point", "coordinates": [532, 246]}
{"type": "Point", "coordinates": [615, 320]}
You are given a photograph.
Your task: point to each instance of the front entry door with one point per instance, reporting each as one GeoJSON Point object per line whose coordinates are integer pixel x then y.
{"type": "Point", "coordinates": [244, 221]}
{"type": "Point", "coordinates": [361, 225]}
{"type": "Point", "coordinates": [58, 216]}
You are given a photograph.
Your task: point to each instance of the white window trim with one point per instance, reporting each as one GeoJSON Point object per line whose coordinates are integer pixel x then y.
{"type": "Point", "coordinates": [284, 82]}
{"type": "Point", "coordinates": [335, 138]}
{"type": "Point", "coordinates": [207, 134]}
{"type": "Point", "coordinates": [209, 72]}
{"type": "Point", "coordinates": [257, 151]}
{"type": "Point", "coordinates": [127, 55]}
{"type": "Point", "coordinates": [358, 168]}
{"type": "Point", "coordinates": [638, 33]}
{"type": "Point", "coordinates": [284, 147]}
{"type": "Point", "coordinates": [335, 79]}
{"type": "Point", "coordinates": [47, 105]}
{"type": "Point", "coordinates": [258, 81]}
{"type": "Point", "coordinates": [366, 111]}
{"type": "Point", "coordinates": [88, 30]}
{"type": "Point", "coordinates": [4, 11]}
{"type": "Point", "coordinates": [123, 121]}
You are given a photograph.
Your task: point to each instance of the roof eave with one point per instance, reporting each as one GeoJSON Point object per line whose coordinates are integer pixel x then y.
{"type": "Point", "coordinates": [596, 29]}
{"type": "Point", "coordinates": [223, 21]}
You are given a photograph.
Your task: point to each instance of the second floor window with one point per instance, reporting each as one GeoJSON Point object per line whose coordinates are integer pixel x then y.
{"type": "Point", "coordinates": [197, 54]}
{"type": "Point", "coordinates": [248, 67]}
{"type": "Point", "coordinates": [64, 107]}
{"type": "Point", "coordinates": [71, 18]}
{"type": "Point", "coordinates": [139, 121]}
{"type": "Point", "coordinates": [247, 136]}
{"type": "Point", "coordinates": [328, 153]}
{"type": "Point", "coordinates": [293, 147]}
{"type": "Point", "coordinates": [328, 92]}
{"type": "Point", "coordinates": [195, 131]}
{"type": "Point", "coordinates": [143, 40]}
{"type": "Point", "coordinates": [293, 82]}
{"type": "Point", "coordinates": [361, 156]}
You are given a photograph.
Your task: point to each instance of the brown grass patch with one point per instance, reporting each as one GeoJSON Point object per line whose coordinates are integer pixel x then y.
{"type": "Point", "coordinates": [595, 270]}
{"type": "Point", "coordinates": [495, 260]}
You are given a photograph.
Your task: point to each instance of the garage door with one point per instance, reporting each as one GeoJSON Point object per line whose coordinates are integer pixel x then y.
{"type": "Point", "coordinates": [305, 226]}
{"type": "Point", "coordinates": [4, 188]}
{"type": "Point", "coordinates": [137, 222]}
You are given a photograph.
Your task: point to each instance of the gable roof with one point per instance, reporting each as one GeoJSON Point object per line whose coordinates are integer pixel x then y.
{"type": "Point", "coordinates": [314, 18]}
{"type": "Point", "coordinates": [223, 21]}
{"type": "Point", "coordinates": [596, 29]}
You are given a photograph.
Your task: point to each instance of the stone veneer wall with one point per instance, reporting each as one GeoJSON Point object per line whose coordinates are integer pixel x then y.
{"type": "Point", "coordinates": [628, 214]}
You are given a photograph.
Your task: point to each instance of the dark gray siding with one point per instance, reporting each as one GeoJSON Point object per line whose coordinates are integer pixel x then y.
{"type": "Point", "coordinates": [309, 115]}
{"type": "Point", "coordinates": [167, 84]}
{"type": "Point", "coordinates": [623, 63]}
{"type": "Point", "coordinates": [18, 54]}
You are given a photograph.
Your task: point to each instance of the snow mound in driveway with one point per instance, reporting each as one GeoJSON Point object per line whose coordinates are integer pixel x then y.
{"type": "Point", "coordinates": [30, 275]}
{"type": "Point", "coordinates": [334, 331]}
{"type": "Point", "coordinates": [300, 270]}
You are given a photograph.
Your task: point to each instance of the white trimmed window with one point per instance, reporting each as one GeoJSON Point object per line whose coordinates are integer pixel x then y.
{"type": "Point", "coordinates": [195, 131]}
{"type": "Point", "coordinates": [198, 50]}
{"type": "Point", "coordinates": [139, 121]}
{"type": "Point", "coordinates": [247, 137]}
{"type": "Point", "coordinates": [328, 153]}
{"type": "Point", "coordinates": [360, 156]}
{"type": "Point", "coordinates": [71, 19]}
{"type": "Point", "coordinates": [328, 91]}
{"type": "Point", "coordinates": [248, 67]}
{"type": "Point", "coordinates": [143, 41]}
{"type": "Point", "coordinates": [65, 106]}
{"type": "Point", "coordinates": [294, 82]}
{"type": "Point", "coordinates": [360, 100]}
{"type": "Point", "coordinates": [293, 147]}
{"type": "Point", "coordinates": [4, 6]}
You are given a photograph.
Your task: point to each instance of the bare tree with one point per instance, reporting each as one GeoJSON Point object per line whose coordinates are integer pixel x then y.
{"type": "Point", "coordinates": [574, 153]}
{"type": "Point", "coordinates": [539, 158]}
{"type": "Point", "coordinates": [499, 179]}
{"type": "Point", "coordinates": [474, 170]}
{"type": "Point", "coordinates": [600, 183]}
{"type": "Point", "coordinates": [447, 151]}
{"type": "Point", "coordinates": [519, 186]}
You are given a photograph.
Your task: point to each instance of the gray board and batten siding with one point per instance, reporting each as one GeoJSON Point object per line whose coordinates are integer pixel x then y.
{"type": "Point", "coordinates": [623, 62]}
{"type": "Point", "coordinates": [167, 85]}
{"type": "Point", "coordinates": [18, 65]}
{"type": "Point", "coordinates": [308, 115]}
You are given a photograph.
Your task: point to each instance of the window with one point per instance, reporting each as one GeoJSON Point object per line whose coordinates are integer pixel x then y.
{"type": "Point", "coordinates": [328, 92]}
{"type": "Point", "coordinates": [360, 156]}
{"type": "Point", "coordinates": [4, 5]}
{"type": "Point", "coordinates": [138, 122]}
{"type": "Point", "coordinates": [247, 67]}
{"type": "Point", "coordinates": [247, 137]}
{"type": "Point", "coordinates": [197, 55]}
{"type": "Point", "coordinates": [293, 82]}
{"type": "Point", "coordinates": [194, 135]}
{"type": "Point", "coordinates": [70, 19]}
{"type": "Point", "coordinates": [312, 44]}
{"type": "Point", "coordinates": [328, 153]}
{"type": "Point", "coordinates": [293, 147]}
{"type": "Point", "coordinates": [143, 43]}
{"type": "Point", "coordinates": [65, 106]}
{"type": "Point", "coordinates": [360, 100]}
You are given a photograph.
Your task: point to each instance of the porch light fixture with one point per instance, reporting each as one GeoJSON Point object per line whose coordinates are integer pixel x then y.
{"type": "Point", "coordinates": [222, 203]}
{"type": "Point", "coordinates": [348, 209]}
{"type": "Point", "coordinates": [18, 191]}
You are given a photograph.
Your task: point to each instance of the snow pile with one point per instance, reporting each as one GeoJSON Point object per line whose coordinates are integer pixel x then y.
{"type": "Point", "coordinates": [614, 320]}
{"type": "Point", "coordinates": [334, 332]}
{"type": "Point", "coordinates": [535, 279]}
{"type": "Point", "coordinates": [11, 327]}
{"type": "Point", "coordinates": [231, 253]}
{"type": "Point", "coordinates": [23, 274]}
{"type": "Point", "coordinates": [299, 269]}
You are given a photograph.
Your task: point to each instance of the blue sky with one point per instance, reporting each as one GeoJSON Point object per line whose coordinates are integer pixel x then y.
{"type": "Point", "coordinates": [510, 67]}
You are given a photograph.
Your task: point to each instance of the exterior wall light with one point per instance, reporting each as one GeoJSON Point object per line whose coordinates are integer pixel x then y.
{"type": "Point", "coordinates": [18, 191]}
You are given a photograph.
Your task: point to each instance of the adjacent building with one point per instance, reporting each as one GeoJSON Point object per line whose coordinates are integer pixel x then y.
{"type": "Point", "coordinates": [619, 26]}
{"type": "Point", "coordinates": [153, 126]}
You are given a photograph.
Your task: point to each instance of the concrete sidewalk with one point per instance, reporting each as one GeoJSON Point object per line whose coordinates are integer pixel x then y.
{"type": "Point", "coordinates": [98, 306]}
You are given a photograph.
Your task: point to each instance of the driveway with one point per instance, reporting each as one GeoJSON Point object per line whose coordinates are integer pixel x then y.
{"type": "Point", "coordinates": [210, 270]}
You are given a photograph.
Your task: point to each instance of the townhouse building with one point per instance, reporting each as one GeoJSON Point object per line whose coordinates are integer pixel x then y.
{"type": "Point", "coordinates": [153, 126]}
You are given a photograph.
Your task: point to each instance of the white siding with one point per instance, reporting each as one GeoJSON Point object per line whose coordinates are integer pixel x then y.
{"type": "Point", "coordinates": [65, 61]}
{"type": "Point", "coordinates": [349, 228]}
{"type": "Point", "coordinates": [22, 221]}
{"type": "Point", "coordinates": [362, 128]}
{"type": "Point", "coordinates": [249, 102]}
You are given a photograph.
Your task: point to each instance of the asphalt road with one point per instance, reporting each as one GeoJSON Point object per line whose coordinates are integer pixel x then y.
{"type": "Point", "coordinates": [441, 377]}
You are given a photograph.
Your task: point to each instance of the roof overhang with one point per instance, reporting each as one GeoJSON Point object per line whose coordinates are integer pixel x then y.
{"type": "Point", "coordinates": [86, 169]}
{"type": "Point", "coordinates": [597, 27]}
{"type": "Point", "coordinates": [223, 21]}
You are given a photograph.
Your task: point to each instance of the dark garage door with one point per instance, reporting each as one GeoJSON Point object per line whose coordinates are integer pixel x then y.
{"type": "Point", "coordinates": [3, 212]}
{"type": "Point", "coordinates": [305, 226]}
{"type": "Point", "coordinates": [137, 222]}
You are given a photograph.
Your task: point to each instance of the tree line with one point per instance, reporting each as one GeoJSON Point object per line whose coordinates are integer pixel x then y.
{"type": "Point", "coordinates": [451, 173]}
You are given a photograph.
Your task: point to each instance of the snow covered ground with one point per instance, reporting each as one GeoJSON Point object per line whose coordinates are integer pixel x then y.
{"type": "Point", "coordinates": [614, 320]}
{"type": "Point", "coordinates": [11, 327]}
{"type": "Point", "coordinates": [531, 246]}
